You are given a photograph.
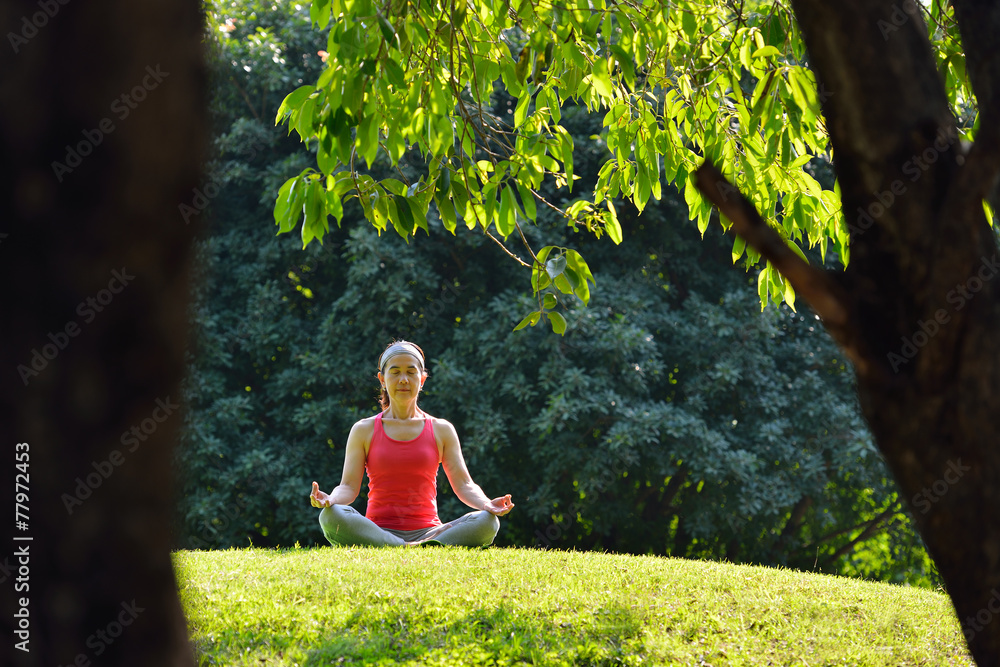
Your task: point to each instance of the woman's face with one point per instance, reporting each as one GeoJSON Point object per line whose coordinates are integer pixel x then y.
{"type": "Point", "coordinates": [402, 377]}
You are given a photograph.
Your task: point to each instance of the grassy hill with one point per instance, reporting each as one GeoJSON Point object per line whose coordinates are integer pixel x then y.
{"type": "Point", "coordinates": [453, 606]}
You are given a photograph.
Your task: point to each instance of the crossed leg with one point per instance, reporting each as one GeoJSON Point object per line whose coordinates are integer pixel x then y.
{"type": "Point", "coordinates": [345, 526]}
{"type": "Point", "coordinates": [475, 529]}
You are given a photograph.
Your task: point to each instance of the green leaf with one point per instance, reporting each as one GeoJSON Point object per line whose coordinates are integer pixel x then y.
{"type": "Point", "coordinates": [563, 284]}
{"type": "Point", "coordinates": [523, 61]}
{"type": "Point", "coordinates": [446, 209]}
{"type": "Point", "coordinates": [506, 223]}
{"type": "Point", "coordinates": [789, 294]}
{"type": "Point", "coordinates": [555, 266]}
{"type": "Point", "coordinates": [528, 203]}
{"type": "Point", "coordinates": [550, 301]}
{"type": "Point", "coordinates": [319, 13]}
{"type": "Point", "coordinates": [738, 246]}
{"type": "Point", "coordinates": [292, 101]}
{"type": "Point", "coordinates": [388, 32]}
{"type": "Point", "coordinates": [394, 73]}
{"type": "Point", "coordinates": [614, 229]}
{"type": "Point", "coordinates": [601, 79]}
{"type": "Point", "coordinates": [403, 219]}
{"type": "Point", "coordinates": [558, 322]}
{"type": "Point", "coordinates": [576, 261]}
{"type": "Point", "coordinates": [797, 250]}
{"type": "Point", "coordinates": [284, 201]}
{"type": "Point", "coordinates": [326, 157]}
{"type": "Point", "coordinates": [315, 213]}
{"type": "Point", "coordinates": [334, 205]}
{"type": "Point", "coordinates": [763, 279]}
{"type": "Point", "coordinates": [521, 110]}
{"type": "Point", "coordinates": [532, 319]}
{"type": "Point", "coordinates": [765, 52]}
{"type": "Point", "coordinates": [458, 12]}
{"type": "Point", "coordinates": [689, 24]}
{"type": "Point", "coordinates": [305, 118]}
{"type": "Point", "coordinates": [567, 141]}
{"type": "Point", "coordinates": [367, 139]}
{"type": "Point", "coordinates": [539, 277]}
{"type": "Point", "coordinates": [394, 186]}
{"type": "Point", "coordinates": [552, 102]}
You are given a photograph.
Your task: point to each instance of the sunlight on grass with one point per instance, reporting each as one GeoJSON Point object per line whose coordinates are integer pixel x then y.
{"type": "Point", "coordinates": [453, 606]}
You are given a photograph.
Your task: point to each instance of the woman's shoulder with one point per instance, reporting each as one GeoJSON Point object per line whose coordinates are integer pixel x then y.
{"type": "Point", "coordinates": [441, 424]}
{"type": "Point", "coordinates": [365, 426]}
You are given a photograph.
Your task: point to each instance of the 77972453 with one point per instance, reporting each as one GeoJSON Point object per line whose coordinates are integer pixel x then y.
{"type": "Point", "coordinates": [21, 488]}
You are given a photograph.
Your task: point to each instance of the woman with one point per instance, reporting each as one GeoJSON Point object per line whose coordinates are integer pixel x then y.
{"type": "Point", "coordinates": [400, 449]}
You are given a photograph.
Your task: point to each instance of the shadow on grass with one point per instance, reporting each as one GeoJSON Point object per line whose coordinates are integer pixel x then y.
{"type": "Point", "coordinates": [481, 637]}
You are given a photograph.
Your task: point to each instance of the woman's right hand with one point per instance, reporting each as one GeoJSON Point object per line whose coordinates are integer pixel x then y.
{"type": "Point", "coordinates": [319, 499]}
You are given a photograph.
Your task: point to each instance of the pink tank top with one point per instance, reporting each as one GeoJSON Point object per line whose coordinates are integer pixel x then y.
{"type": "Point", "coordinates": [402, 479]}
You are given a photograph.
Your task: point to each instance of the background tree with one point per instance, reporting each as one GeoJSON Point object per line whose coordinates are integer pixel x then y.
{"type": "Point", "coordinates": [915, 311]}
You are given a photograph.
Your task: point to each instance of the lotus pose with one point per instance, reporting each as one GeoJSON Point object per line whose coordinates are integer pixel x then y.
{"type": "Point", "coordinates": [400, 449]}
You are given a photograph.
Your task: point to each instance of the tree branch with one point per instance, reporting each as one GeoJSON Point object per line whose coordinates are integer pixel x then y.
{"type": "Point", "coordinates": [818, 289]}
{"type": "Point", "coordinates": [518, 259]}
{"type": "Point", "coordinates": [795, 520]}
{"type": "Point", "coordinates": [865, 534]}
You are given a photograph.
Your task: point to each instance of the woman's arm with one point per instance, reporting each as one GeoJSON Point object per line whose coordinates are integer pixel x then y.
{"type": "Point", "coordinates": [458, 474]}
{"type": "Point", "coordinates": [354, 468]}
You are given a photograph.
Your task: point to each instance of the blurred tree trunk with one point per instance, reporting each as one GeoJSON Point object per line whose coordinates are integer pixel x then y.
{"type": "Point", "coordinates": [102, 128]}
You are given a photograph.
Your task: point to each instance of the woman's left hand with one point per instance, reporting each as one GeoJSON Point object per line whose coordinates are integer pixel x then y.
{"type": "Point", "coordinates": [499, 506]}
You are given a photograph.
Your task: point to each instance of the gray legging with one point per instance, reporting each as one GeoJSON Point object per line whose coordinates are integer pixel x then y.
{"type": "Point", "coordinates": [345, 526]}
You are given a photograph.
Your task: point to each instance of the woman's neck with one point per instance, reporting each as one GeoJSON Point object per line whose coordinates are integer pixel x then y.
{"type": "Point", "coordinates": [407, 410]}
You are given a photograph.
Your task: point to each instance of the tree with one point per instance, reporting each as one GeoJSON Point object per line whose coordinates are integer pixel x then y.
{"type": "Point", "coordinates": [718, 98]}
{"type": "Point", "coordinates": [103, 127]}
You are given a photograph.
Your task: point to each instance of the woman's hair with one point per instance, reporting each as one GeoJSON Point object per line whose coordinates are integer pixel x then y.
{"type": "Point", "coordinates": [402, 346]}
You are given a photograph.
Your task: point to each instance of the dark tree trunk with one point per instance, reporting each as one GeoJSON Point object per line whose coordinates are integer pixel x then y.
{"type": "Point", "coordinates": [917, 308]}
{"type": "Point", "coordinates": [93, 260]}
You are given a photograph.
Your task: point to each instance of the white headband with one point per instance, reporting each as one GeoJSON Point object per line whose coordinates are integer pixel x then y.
{"type": "Point", "coordinates": [401, 347]}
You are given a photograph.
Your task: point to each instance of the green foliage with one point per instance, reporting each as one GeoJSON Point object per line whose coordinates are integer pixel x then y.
{"type": "Point", "coordinates": [454, 606]}
{"type": "Point", "coordinates": [678, 83]}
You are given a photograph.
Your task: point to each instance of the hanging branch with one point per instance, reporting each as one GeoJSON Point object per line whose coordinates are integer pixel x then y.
{"type": "Point", "coordinates": [826, 297]}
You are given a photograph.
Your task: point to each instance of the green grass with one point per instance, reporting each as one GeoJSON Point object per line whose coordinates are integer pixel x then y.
{"type": "Point", "coordinates": [453, 606]}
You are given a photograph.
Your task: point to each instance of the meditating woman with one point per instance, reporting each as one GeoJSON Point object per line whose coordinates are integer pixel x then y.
{"type": "Point", "coordinates": [400, 449]}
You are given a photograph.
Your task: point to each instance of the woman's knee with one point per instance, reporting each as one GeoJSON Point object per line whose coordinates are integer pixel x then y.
{"type": "Point", "coordinates": [488, 520]}
{"type": "Point", "coordinates": [333, 516]}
